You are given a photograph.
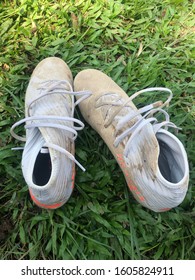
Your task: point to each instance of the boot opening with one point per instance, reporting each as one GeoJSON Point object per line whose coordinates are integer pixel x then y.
{"type": "Point", "coordinates": [42, 169]}
{"type": "Point", "coordinates": [171, 162]}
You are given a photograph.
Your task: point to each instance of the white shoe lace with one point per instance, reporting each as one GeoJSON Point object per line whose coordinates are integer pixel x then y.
{"type": "Point", "coordinates": [142, 120]}
{"type": "Point", "coordinates": [49, 88]}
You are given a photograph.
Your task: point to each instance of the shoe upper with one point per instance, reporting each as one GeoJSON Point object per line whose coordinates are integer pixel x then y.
{"type": "Point", "coordinates": [48, 162]}
{"type": "Point", "coordinates": [153, 160]}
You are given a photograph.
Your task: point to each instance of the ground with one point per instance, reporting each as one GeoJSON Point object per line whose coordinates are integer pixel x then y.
{"type": "Point", "coordinates": [139, 44]}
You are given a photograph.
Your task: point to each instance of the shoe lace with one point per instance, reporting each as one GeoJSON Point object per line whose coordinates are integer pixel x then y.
{"type": "Point", "coordinates": [143, 116]}
{"type": "Point", "coordinates": [48, 88]}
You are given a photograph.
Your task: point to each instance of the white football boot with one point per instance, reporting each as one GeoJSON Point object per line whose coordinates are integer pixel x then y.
{"type": "Point", "coordinates": [48, 161]}
{"type": "Point", "coordinates": [153, 160]}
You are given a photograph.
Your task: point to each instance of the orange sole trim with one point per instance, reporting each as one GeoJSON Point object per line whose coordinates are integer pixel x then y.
{"type": "Point", "coordinates": [46, 206]}
{"type": "Point", "coordinates": [165, 209]}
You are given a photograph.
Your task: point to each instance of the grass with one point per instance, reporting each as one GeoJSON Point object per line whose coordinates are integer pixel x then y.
{"type": "Point", "coordinates": [139, 44]}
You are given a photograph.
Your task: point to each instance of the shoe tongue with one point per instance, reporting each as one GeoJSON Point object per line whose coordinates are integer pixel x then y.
{"type": "Point", "coordinates": [54, 105]}
{"type": "Point", "coordinates": [109, 110]}
{"type": "Point", "coordinates": [144, 149]}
